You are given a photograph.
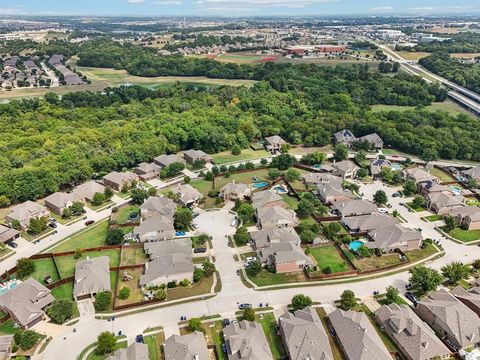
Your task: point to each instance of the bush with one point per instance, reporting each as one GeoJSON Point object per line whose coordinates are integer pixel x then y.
{"type": "Point", "coordinates": [160, 294]}
{"type": "Point", "coordinates": [105, 343]}
{"type": "Point", "coordinates": [195, 324]}
{"type": "Point", "coordinates": [61, 310]}
{"type": "Point", "coordinates": [301, 301]}
{"type": "Point", "coordinates": [103, 300]}
{"type": "Point", "coordinates": [185, 283]}
{"type": "Point", "coordinates": [327, 270]}
{"type": "Point", "coordinates": [213, 194]}
{"type": "Point", "coordinates": [198, 274]}
{"type": "Point", "coordinates": [172, 284]}
{"type": "Point", "coordinates": [124, 293]}
{"type": "Point", "coordinates": [26, 339]}
{"type": "Point", "coordinates": [249, 314]}
{"type": "Point", "coordinates": [114, 236]}
{"type": "Point", "coordinates": [236, 150]}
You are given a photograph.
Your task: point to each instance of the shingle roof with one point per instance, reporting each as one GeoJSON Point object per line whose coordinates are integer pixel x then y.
{"type": "Point", "coordinates": [147, 167]}
{"type": "Point", "coordinates": [369, 222]}
{"type": "Point", "coordinates": [305, 336]}
{"type": "Point", "coordinates": [357, 335]}
{"type": "Point", "coordinates": [284, 252]}
{"type": "Point", "coordinates": [263, 238]}
{"type": "Point", "coordinates": [120, 177]}
{"type": "Point", "coordinates": [88, 189]}
{"type": "Point", "coordinates": [345, 165]}
{"type": "Point", "coordinates": [445, 199]}
{"type": "Point", "coordinates": [323, 178]}
{"type": "Point", "coordinates": [92, 276]}
{"type": "Point", "coordinates": [419, 174]}
{"type": "Point", "coordinates": [165, 160]}
{"type": "Point", "coordinates": [276, 214]}
{"type": "Point", "coordinates": [262, 198]}
{"type": "Point", "coordinates": [136, 351]}
{"type": "Point", "coordinates": [246, 340]}
{"type": "Point", "coordinates": [237, 188]}
{"type": "Point", "coordinates": [186, 347]}
{"type": "Point", "coordinates": [327, 190]}
{"type": "Point", "coordinates": [275, 140]}
{"type": "Point", "coordinates": [157, 223]}
{"type": "Point", "coordinates": [355, 207]}
{"type": "Point", "coordinates": [25, 211]}
{"type": "Point", "coordinates": [7, 233]}
{"type": "Point", "coordinates": [474, 172]}
{"type": "Point", "coordinates": [392, 236]}
{"type": "Point", "coordinates": [344, 136]}
{"type": "Point", "coordinates": [162, 205]}
{"type": "Point", "coordinates": [372, 138]}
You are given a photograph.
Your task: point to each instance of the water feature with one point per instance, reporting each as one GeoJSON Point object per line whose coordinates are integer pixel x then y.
{"type": "Point", "coordinates": [259, 184]}
{"type": "Point", "coordinates": [355, 245]}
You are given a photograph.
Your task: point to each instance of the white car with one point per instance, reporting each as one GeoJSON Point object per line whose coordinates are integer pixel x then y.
{"type": "Point", "coordinates": [195, 226]}
{"type": "Point", "coordinates": [382, 210]}
{"type": "Point", "coordinates": [234, 223]}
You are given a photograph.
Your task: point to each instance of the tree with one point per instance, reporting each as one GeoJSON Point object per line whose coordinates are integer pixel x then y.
{"type": "Point", "coordinates": [108, 192]}
{"type": "Point", "coordinates": [208, 268]}
{"type": "Point", "coordinates": [418, 201]}
{"type": "Point", "coordinates": [255, 268]}
{"type": "Point", "coordinates": [241, 236]}
{"type": "Point", "coordinates": [455, 271]}
{"type": "Point", "coordinates": [472, 183]}
{"type": "Point", "coordinates": [4, 201]}
{"type": "Point", "coordinates": [195, 324]}
{"type": "Point", "coordinates": [429, 154]}
{"type": "Point", "coordinates": [138, 196]}
{"type": "Point", "coordinates": [305, 208]}
{"type": "Point", "coordinates": [25, 267]}
{"type": "Point", "coordinates": [67, 213]}
{"type": "Point", "coordinates": [340, 152]}
{"type": "Point", "coordinates": [115, 236]}
{"type": "Point", "coordinates": [362, 173]}
{"type": "Point", "coordinates": [249, 314]}
{"type": "Point", "coordinates": [186, 180]}
{"type": "Point", "coordinates": [98, 199]}
{"type": "Point", "coordinates": [386, 174]}
{"type": "Point", "coordinates": [283, 161]}
{"type": "Point", "coordinates": [292, 175]}
{"type": "Point", "coordinates": [301, 301]}
{"type": "Point", "coordinates": [160, 294]}
{"type": "Point", "coordinates": [392, 296]}
{"type": "Point", "coordinates": [26, 339]}
{"type": "Point", "coordinates": [361, 156]}
{"type": "Point", "coordinates": [380, 197]}
{"type": "Point", "coordinates": [182, 219]}
{"type": "Point", "coordinates": [245, 212]}
{"type": "Point", "coordinates": [274, 173]}
{"type": "Point", "coordinates": [409, 188]}
{"type": "Point", "coordinates": [424, 280]}
{"type": "Point", "coordinates": [307, 236]}
{"type": "Point", "coordinates": [331, 230]}
{"type": "Point", "coordinates": [153, 192]}
{"type": "Point", "coordinates": [61, 310]}
{"type": "Point", "coordinates": [198, 274]}
{"type": "Point", "coordinates": [236, 150]}
{"type": "Point", "coordinates": [105, 343]}
{"type": "Point", "coordinates": [348, 300]}
{"type": "Point", "coordinates": [450, 223]}
{"type": "Point", "coordinates": [103, 300]}
{"type": "Point", "coordinates": [77, 208]}
{"type": "Point", "coordinates": [124, 293]}
{"type": "Point", "coordinates": [37, 225]}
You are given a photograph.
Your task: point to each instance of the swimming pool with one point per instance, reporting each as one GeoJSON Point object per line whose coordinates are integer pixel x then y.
{"type": "Point", "coordinates": [317, 166]}
{"type": "Point", "coordinates": [280, 189]}
{"type": "Point", "coordinates": [396, 166]}
{"type": "Point", "coordinates": [355, 245]}
{"type": "Point", "coordinates": [9, 286]}
{"type": "Point", "coordinates": [259, 184]}
{"type": "Point", "coordinates": [456, 190]}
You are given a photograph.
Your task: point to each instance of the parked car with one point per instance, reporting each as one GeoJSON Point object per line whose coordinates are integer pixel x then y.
{"type": "Point", "coordinates": [238, 272]}
{"type": "Point", "coordinates": [12, 244]}
{"type": "Point", "coordinates": [224, 348]}
{"type": "Point", "coordinates": [245, 306]}
{"type": "Point", "coordinates": [89, 222]}
{"type": "Point", "coordinates": [234, 223]}
{"type": "Point", "coordinates": [180, 233]}
{"type": "Point", "coordinates": [382, 210]}
{"type": "Point", "coordinates": [411, 297]}
{"type": "Point", "coordinates": [199, 250]}
{"type": "Point", "coordinates": [52, 225]}
{"type": "Point", "coordinates": [195, 226]}
{"type": "Point", "coordinates": [195, 215]}
{"type": "Point", "coordinates": [52, 220]}
{"type": "Point", "coordinates": [139, 338]}
{"type": "Point", "coordinates": [396, 194]}
{"type": "Point", "coordinates": [226, 322]}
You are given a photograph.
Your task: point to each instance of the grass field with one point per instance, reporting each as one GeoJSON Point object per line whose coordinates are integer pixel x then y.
{"type": "Point", "coordinates": [415, 255]}
{"type": "Point", "coordinates": [448, 106]}
{"type": "Point", "coordinates": [269, 325]}
{"type": "Point", "coordinates": [121, 216]}
{"type": "Point", "coordinates": [247, 154]}
{"type": "Point", "coordinates": [66, 264]}
{"type": "Point", "coordinates": [411, 55]}
{"type": "Point", "coordinates": [133, 256]}
{"type": "Point", "coordinates": [291, 202]}
{"type": "Point", "coordinates": [433, 217]}
{"type": "Point", "coordinates": [442, 175]}
{"type": "Point", "coordinates": [8, 328]}
{"type": "Point", "coordinates": [154, 342]}
{"type": "Point", "coordinates": [414, 208]}
{"type": "Point", "coordinates": [266, 278]}
{"type": "Point", "coordinates": [92, 237]}
{"type": "Point", "coordinates": [118, 345]}
{"type": "Point", "coordinates": [329, 256]}
{"type": "Point", "coordinates": [465, 235]}
{"type": "Point", "coordinates": [243, 178]}
{"type": "Point", "coordinates": [375, 262]}
{"type": "Point", "coordinates": [64, 291]}
{"type": "Point", "coordinates": [136, 293]}
{"type": "Point", "coordinates": [203, 287]}
{"type": "Point", "coordinates": [44, 267]}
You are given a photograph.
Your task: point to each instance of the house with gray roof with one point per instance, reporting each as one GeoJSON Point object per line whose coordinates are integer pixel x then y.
{"type": "Point", "coordinates": [345, 169]}
{"type": "Point", "coordinates": [467, 216]}
{"type": "Point", "coordinates": [233, 191]}
{"type": "Point", "coordinates": [449, 316]}
{"type": "Point", "coordinates": [316, 179]}
{"type": "Point", "coordinates": [189, 196]}
{"type": "Point", "coordinates": [376, 166]}
{"type": "Point", "coordinates": [186, 347]}
{"type": "Point", "coordinates": [274, 143]}
{"type": "Point", "coordinates": [304, 335]}
{"type": "Point", "coordinates": [419, 175]}
{"type": "Point", "coordinates": [276, 218]}
{"type": "Point", "coordinates": [373, 139]}
{"type": "Point", "coordinates": [135, 351]}
{"type": "Point", "coordinates": [147, 171]}
{"type": "Point", "coordinates": [267, 198]}
{"type": "Point", "coordinates": [59, 201]}
{"type": "Point", "coordinates": [158, 205]}
{"type": "Point", "coordinates": [191, 156]}
{"type": "Point", "coordinates": [26, 302]}
{"type": "Point", "coordinates": [366, 223]}
{"type": "Point", "coordinates": [344, 137]}
{"type": "Point", "coordinates": [285, 257]}
{"type": "Point", "coordinates": [413, 337]}
{"type": "Point", "coordinates": [245, 340]}
{"type": "Point", "coordinates": [429, 187]}
{"type": "Point", "coordinates": [329, 194]}
{"type": "Point", "coordinates": [6, 342]}
{"type": "Point", "coordinates": [473, 173]}
{"type": "Point", "coordinates": [442, 203]}
{"type": "Point", "coordinates": [165, 160]}
{"type": "Point", "coordinates": [155, 228]}
{"type": "Point", "coordinates": [26, 211]}
{"type": "Point", "coordinates": [354, 207]}
{"type": "Point", "coordinates": [470, 298]}
{"type": "Point", "coordinates": [86, 191]}
{"type": "Point", "coordinates": [119, 180]}
{"type": "Point", "coordinates": [391, 237]}
{"type": "Point", "coordinates": [8, 234]}
{"type": "Point", "coordinates": [169, 260]}
{"type": "Point", "coordinates": [357, 336]}
{"type": "Point", "coordinates": [91, 276]}
{"type": "Point", "coordinates": [264, 238]}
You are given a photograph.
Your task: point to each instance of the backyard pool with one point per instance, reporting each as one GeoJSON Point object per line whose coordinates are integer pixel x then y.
{"type": "Point", "coordinates": [317, 166]}
{"type": "Point", "coordinates": [280, 189]}
{"type": "Point", "coordinates": [355, 245]}
{"type": "Point", "coordinates": [397, 166]}
{"type": "Point", "coordinates": [456, 190]}
{"type": "Point", "coordinates": [4, 288]}
{"type": "Point", "coordinates": [133, 216]}
{"type": "Point", "coordinates": [259, 184]}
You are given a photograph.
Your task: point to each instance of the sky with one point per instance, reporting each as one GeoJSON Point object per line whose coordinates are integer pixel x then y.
{"type": "Point", "coordinates": [239, 7]}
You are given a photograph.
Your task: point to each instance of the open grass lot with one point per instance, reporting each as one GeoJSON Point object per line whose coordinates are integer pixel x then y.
{"type": "Point", "coordinates": [66, 264]}
{"type": "Point", "coordinates": [442, 175]}
{"type": "Point", "coordinates": [247, 154]}
{"type": "Point", "coordinates": [291, 202]}
{"type": "Point", "coordinates": [64, 221]}
{"type": "Point", "coordinates": [241, 58]}
{"type": "Point", "coordinates": [8, 328]}
{"type": "Point", "coordinates": [415, 255]}
{"type": "Point", "coordinates": [203, 287]}
{"type": "Point", "coordinates": [300, 150]}
{"type": "Point", "coordinates": [64, 291]}
{"type": "Point", "coordinates": [121, 216]}
{"type": "Point", "coordinates": [266, 278]}
{"type": "Point", "coordinates": [465, 235]}
{"type": "Point", "coordinates": [133, 256]}
{"type": "Point", "coordinates": [44, 267]}
{"type": "Point", "coordinates": [411, 55]}
{"type": "Point", "coordinates": [154, 343]}
{"type": "Point", "coordinates": [269, 325]}
{"type": "Point", "coordinates": [94, 356]}
{"type": "Point", "coordinates": [244, 178]}
{"type": "Point", "coordinates": [376, 262]}
{"type": "Point", "coordinates": [448, 106]}
{"type": "Point", "coordinates": [136, 293]}
{"type": "Point", "coordinates": [325, 61]}
{"type": "Point", "coordinates": [336, 350]}
{"type": "Point", "coordinates": [328, 256]}
{"type": "Point", "coordinates": [94, 236]}
{"type": "Point", "coordinates": [203, 186]}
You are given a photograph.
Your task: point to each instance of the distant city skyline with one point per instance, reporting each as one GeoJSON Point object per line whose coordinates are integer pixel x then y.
{"type": "Point", "coordinates": [234, 8]}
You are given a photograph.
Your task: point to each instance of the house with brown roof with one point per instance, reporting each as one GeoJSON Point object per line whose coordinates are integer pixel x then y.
{"type": "Point", "coordinates": [429, 187]}
{"type": "Point", "coordinates": [191, 156]}
{"type": "Point", "coordinates": [186, 347]}
{"type": "Point", "coordinates": [467, 216]}
{"type": "Point", "coordinates": [26, 302]}
{"type": "Point", "coordinates": [413, 337]}
{"type": "Point", "coordinates": [473, 173]}
{"type": "Point", "coordinates": [391, 237]}
{"type": "Point", "coordinates": [147, 171]}
{"type": "Point", "coordinates": [136, 351]}
{"type": "Point", "coordinates": [366, 223]}
{"type": "Point", "coordinates": [304, 335]}
{"type": "Point", "coordinates": [155, 228]}
{"type": "Point", "coordinates": [357, 337]}
{"type": "Point", "coordinates": [189, 196]}
{"type": "Point", "coordinates": [91, 276]}
{"type": "Point", "coordinates": [376, 166]}
{"type": "Point", "coordinates": [419, 175]}
{"type": "Point", "coordinates": [329, 194]}
{"type": "Point", "coordinates": [355, 207]}
{"type": "Point", "coordinates": [233, 191]}
{"type": "Point", "coordinates": [59, 201]}
{"type": "Point", "coordinates": [165, 160]}
{"type": "Point", "coordinates": [345, 169]}
{"type": "Point", "coordinates": [374, 139]}
{"type": "Point", "coordinates": [470, 298]}
{"type": "Point", "coordinates": [316, 179]}
{"type": "Point", "coordinates": [8, 234]}
{"type": "Point", "coordinates": [264, 238]}
{"type": "Point", "coordinates": [442, 203]}
{"type": "Point", "coordinates": [274, 143]}
{"type": "Point", "coordinates": [246, 340]}
{"type": "Point", "coordinates": [267, 198]}
{"type": "Point", "coordinates": [26, 211]}
{"type": "Point", "coordinates": [276, 218]}
{"type": "Point", "coordinates": [284, 257]}
{"type": "Point", "coordinates": [86, 191]}
{"type": "Point", "coordinates": [158, 205]}
{"type": "Point", "coordinates": [119, 180]}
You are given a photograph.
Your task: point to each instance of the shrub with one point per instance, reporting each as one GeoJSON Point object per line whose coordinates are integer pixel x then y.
{"type": "Point", "coordinates": [61, 310]}
{"type": "Point", "coordinates": [114, 236]}
{"type": "Point", "coordinates": [25, 267]}
{"type": "Point", "coordinates": [327, 270]}
{"type": "Point", "coordinates": [195, 324]}
{"type": "Point", "coordinates": [185, 283]}
{"type": "Point", "coordinates": [124, 293]}
{"type": "Point", "coordinates": [26, 339]}
{"type": "Point", "coordinates": [249, 314]}
{"type": "Point", "coordinates": [172, 284]}
{"type": "Point", "coordinates": [301, 301]}
{"type": "Point", "coordinates": [103, 300]}
{"type": "Point", "coordinates": [105, 343]}
{"type": "Point", "coordinates": [160, 294]}
{"type": "Point", "coordinates": [198, 274]}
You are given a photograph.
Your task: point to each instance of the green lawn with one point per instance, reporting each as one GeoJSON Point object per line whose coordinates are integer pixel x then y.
{"type": "Point", "coordinates": [94, 236]}
{"type": "Point", "coordinates": [291, 202]}
{"type": "Point", "coordinates": [133, 256]}
{"type": "Point", "coordinates": [414, 208]}
{"type": "Point", "coordinates": [375, 262]}
{"type": "Point", "coordinates": [448, 106]}
{"type": "Point", "coordinates": [121, 216]}
{"type": "Point", "coordinates": [329, 256]}
{"type": "Point", "coordinates": [203, 186]}
{"type": "Point", "coordinates": [415, 255]}
{"type": "Point", "coordinates": [247, 154]}
{"type": "Point", "coordinates": [64, 291]}
{"type": "Point", "coordinates": [269, 325]}
{"type": "Point", "coordinates": [154, 342]}
{"type": "Point", "coordinates": [433, 217]}
{"type": "Point", "coordinates": [102, 206]}
{"type": "Point", "coordinates": [442, 175]}
{"type": "Point", "coordinates": [62, 220]}
{"type": "Point", "coordinates": [66, 264]}
{"type": "Point", "coordinates": [214, 336]}
{"type": "Point", "coordinates": [44, 267]}
{"type": "Point", "coordinates": [243, 178]}
{"type": "Point", "coordinates": [266, 278]}
{"type": "Point", "coordinates": [8, 328]}
{"type": "Point", "coordinates": [465, 235]}
{"type": "Point", "coordinates": [119, 345]}
{"type": "Point", "coordinates": [473, 202]}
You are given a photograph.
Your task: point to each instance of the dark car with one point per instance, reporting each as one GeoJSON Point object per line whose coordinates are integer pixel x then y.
{"type": "Point", "coordinates": [139, 339]}
{"type": "Point", "coordinates": [396, 194]}
{"type": "Point", "coordinates": [52, 225]}
{"type": "Point", "coordinates": [199, 250]}
{"type": "Point", "coordinates": [12, 244]}
{"type": "Point", "coordinates": [411, 297]}
{"type": "Point", "coordinates": [244, 306]}
{"type": "Point", "coordinates": [89, 222]}
{"type": "Point", "coordinates": [224, 348]}
{"type": "Point", "coordinates": [226, 322]}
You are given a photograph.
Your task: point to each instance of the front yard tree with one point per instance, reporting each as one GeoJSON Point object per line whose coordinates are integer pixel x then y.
{"type": "Point", "coordinates": [418, 201]}
{"type": "Point", "coordinates": [249, 314]}
{"type": "Point", "coordinates": [105, 343]}
{"type": "Point", "coordinates": [380, 197]}
{"type": "Point", "coordinates": [61, 310]}
{"type": "Point", "coordinates": [67, 213]}
{"type": "Point", "coordinates": [409, 188]}
{"type": "Point", "coordinates": [114, 236]}
{"type": "Point", "coordinates": [160, 294]}
{"type": "Point", "coordinates": [424, 280]}
{"type": "Point", "coordinates": [138, 196]}
{"type": "Point", "coordinates": [103, 300]}
{"type": "Point", "coordinates": [36, 226]}
{"type": "Point", "coordinates": [241, 236]}
{"type": "Point", "coordinates": [245, 212]}
{"type": "Point", "coordinates": [77, 207]}
{"type": "Point", "coordinates": [362, 173]}
{"type": "Point", "coordinates": [108, 192]}
{"type": "Point", "coordinates": [255, 268]}
{"type": "Point", "coordinates": [455, 271]}
{"type": "Point", "coordinates": [274, 173]}
{"type": "Point", "coordinates": [348, 300]}
{"type": "Point", "coordinates": [300, 302]}
{"type": "Point", "coordinates": [392, 295]}
{"type": "Point", "coordinates": [236, 150]}
{"type": "Point", "coordinates": [387, 174]}
{"type": "Point", "coordinates": [450, 223]}
{"type": "Point", "coordinates": [361, 156]}
{"type": "Point", "coordinates": [195, 324]}
{"type": "Point", "coordinates": [208, 268]}
{"type": "Point", "coordinates": [340, 152]}
{"type": "Point", "coordinates": [182, 219]}
{"type": "Point", "coordinates": [98, 199]}
{"type": "Point", "coordinates": [25, 267]}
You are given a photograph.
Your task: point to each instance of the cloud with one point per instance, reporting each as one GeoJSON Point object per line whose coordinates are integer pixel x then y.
{"type": "Point", "coordinates": [423, 8]}
{"type": "Point", "coordinates": [168, 2]}
{"type": "Point", "coordinates": [381, 9]}
{"type": "Point", "coordinates": [12, 11]}
{"type": "Point", "coordinates": [252, 5]}
{"type": "Point", "coordinates": [135, 1]}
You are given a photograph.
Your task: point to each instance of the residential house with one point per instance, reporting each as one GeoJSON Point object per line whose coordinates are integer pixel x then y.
{"type": "Point", "coordinates": [414, 339]}
{"type": "Point", "coordinates": [285, 257]}
{"type": "Point", "coordinates": [467, 216]}
{"type": "Point", "coordinates": [26, 302]}
{"type": "Point", "coordinates": [442, 203]}
{"type": "Point", "coordinates": [233, 191]}
{"type": "Point", "coordinates": [119, 180]}
{"type": "Point", "coordinates": [191, 156]}
{"type": "Point", "coordinates": [156, 205]}
{"type": "Point", "coordinates": [26, 211]}
{"type": "Point", "coordinates": [169, 260]}
{"type": "Point", "coordinates": [91, 277]}
{"type": "Point", "coordinates": [156, 227]}
{"type": "Point", "coordinates": [147, 171]}
{"type": "Point", "coordinates": [430, 187]}
{"type": "Point", "coordinates": [8, 234]}
{"type": "Point", "coordinates": [373, 139]}
{"type": "Point", "coordinates": [354, 207]}
{"type": "Point", "coordinates": [6, 342]}
{"type": "Point", "coordinates": [345, 169]}
{"type": "Point", "coordinates": [376, 166]}
{"type": "Point", "coordinates": [329, 194]}
{"type": "Point", "coordinates": [304, 336]}
{"type": "Point", "coordinates": [86, 191]}
{"type": "Point", "coordinates": [366, 223]}
{"type": "Point", "coordinates": [189, 196]}
{"type": "Point", "coordinates": [136, 351]}
{"type": "Point", "coordinates": [264, 238]}
{"type": "Point", "coordinates": [316, 179]}
{"type": "Point", "coordinates": [186, 347]}
{"type": "Point", "coordinates": [267, 198]}
{"type": "Point", "coordinates": [357, 337]}
{"type": "Point", "coordinates": [274, 143]}
{"type": "Point", "coordinates": [276, 217]}
{"type": "Point", "coordinates": [419, 175]}
{"type": "Point", "coordinates": [246, 340]}
{"type": "Point", "coordinates": [59, 201]}
{"type": "Point", "coordinates": [165, 160]}
{"type": "Point", "coordinates": [450, 317]}
{"type": "Point", "coordinates": [344, 137]}
{"type": "Point", "coordinates": [391, 237]}
{"type": "Point", "coordinates": [473, 173]}
{"type": "Point", "coordinates": [469, 298]}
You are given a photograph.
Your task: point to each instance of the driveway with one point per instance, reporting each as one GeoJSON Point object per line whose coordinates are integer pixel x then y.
{"type": "Point", "coordinates": [86, 309]}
